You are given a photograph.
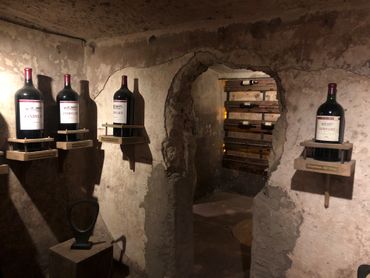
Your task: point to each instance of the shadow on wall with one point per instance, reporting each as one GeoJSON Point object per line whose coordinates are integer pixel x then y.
{"type": "Point", "coordinates": [141, 152]}
{"type": "Point", "coordinates": [18, 252]}
{"type": "Point", "coordinates": [34, 202]}
{"type": "Point", "coordinates": [340, 187]}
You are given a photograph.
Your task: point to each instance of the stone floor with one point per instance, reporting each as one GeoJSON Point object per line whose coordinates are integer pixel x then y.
{"type": "Point", "coordinates": [222, 236]}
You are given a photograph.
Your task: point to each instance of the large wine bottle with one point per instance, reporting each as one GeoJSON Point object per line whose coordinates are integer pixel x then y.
{"type": "Point", "coordinates": [122, 109]}
{"type": "Point", "coordinates": [329, 126]}
{"type": "Point", "coordinates": [29, 111]}
{"type": "Point", "coordinates": [68, 109]}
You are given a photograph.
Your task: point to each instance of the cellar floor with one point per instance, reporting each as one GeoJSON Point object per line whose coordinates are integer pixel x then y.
{"type": "Point", "coordinates": [222, 236]}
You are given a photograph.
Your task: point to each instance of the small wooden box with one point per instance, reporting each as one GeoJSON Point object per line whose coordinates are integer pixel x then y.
{"type": "Point", "coordinates": [65, 262]}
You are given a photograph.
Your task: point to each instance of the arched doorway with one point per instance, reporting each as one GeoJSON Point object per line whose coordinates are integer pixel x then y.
{"type": "Point", "coordinates": [179, 150]}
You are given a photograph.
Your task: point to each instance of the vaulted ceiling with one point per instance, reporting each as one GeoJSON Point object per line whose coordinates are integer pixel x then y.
{"type": "Point", "coordinates": [107, 18]}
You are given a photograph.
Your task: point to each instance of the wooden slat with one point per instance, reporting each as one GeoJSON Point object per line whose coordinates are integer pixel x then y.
{"type": "Point", "coordinates": [247, 149]}
{"type": "Point", "coordinates": [122, 126]}
{"type": "Point", "coordinates": [263, 84]}
{"type": "Point", "coordinates": [248, 142]}
{"type": "Point", "coordinates": [245, 104]}
{"type": "Point", "coordinates": [27, 141]}
{"type": "Point", "coordinates": [72, 145]}
{"type": "Point", "coordinates": [28, 156]}
{"type": "Point", "coordinates": [254, 126]}
{"type": "Point", "coordinates": [70, 131]}
{"type": "Point", "coordinates": [313, 144]}
{"type": "Point", "coordinates": [121, 140]}
{"type": "Point", "coordinates": [333, 168]}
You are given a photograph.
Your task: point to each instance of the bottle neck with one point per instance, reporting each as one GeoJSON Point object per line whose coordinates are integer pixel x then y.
{"type": "Point", "coordinates": [124, 82]}
{"type": "Point", "coordinates": [67, 81]}
{"type": "Point", "coordinates": [28, 77]}
{"type": "Point", "coordinates": [332, 92]}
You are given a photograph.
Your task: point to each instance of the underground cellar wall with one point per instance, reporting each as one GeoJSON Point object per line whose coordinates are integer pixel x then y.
{"type": "Point", "coordinates": [300, 234]}
{"type": "Point", "coordinates": [289, 223]}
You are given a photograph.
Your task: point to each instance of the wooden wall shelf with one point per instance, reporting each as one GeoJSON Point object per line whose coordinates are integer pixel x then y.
{"type": "Point", "coordinates": [121, 140]}
{"type": "Point", "coordinates": [27, 156]}
{"type": "Point", "coordinates": [251, 113]}
{"type": "Point", "coordinates": [132, 140]}
{"type": "Point", "coordinates": [30, 155]}
{"type": "Point", "coordinates": [73, 145]}
{"type": "Point", "coordinates": [345, 167]}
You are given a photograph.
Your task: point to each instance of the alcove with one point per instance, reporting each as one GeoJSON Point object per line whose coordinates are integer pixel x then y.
{"type": "Point", "coordinates": [211, 201]}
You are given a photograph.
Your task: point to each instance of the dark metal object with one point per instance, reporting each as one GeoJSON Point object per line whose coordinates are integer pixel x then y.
{"type": "Point", "coordinates": [363, 271]}
{"type": "Point", "coordinates": [82, 235]}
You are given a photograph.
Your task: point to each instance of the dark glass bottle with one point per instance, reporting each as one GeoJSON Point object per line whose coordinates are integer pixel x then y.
{"type": "Point", "coordinates": [68, 109]}
{"type": "Point", "coordinates": [122, 109]}
{"type": "Point", "coordinates": [329, 126]}
{"type": "Point", "coordinates": [29, 111]}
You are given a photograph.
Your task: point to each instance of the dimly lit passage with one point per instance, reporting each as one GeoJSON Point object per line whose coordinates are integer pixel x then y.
{"type": "Point", "coordinates": [184, 139]}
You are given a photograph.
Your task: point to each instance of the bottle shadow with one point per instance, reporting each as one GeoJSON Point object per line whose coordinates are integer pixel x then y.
{"type": "Point", "coordinates": [138, 152]}
{"type": "Point", "coordinates": [18, 252]}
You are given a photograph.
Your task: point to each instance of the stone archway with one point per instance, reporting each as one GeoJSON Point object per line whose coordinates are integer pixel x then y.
{"type": "Point", "coordinates": [179, 150]}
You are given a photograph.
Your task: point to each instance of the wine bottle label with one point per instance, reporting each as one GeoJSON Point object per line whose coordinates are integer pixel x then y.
{"type": "Point", "coordinates": [120, 111]}
{"type": "Point", "coordinates": [69, 112]}
{"type": "Point", "coordinates": [327, 128]}
{"type": "Point", "coordinates": [31, 114]}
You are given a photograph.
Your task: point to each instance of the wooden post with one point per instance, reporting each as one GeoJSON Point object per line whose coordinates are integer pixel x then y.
{"type": "Point", "coordinates": [327, 190]}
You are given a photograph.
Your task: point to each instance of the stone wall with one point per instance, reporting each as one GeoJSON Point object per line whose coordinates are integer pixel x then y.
{"type": "Point", "coordinates": [294, 235]}
{"type": "Point", "coordinates": [34, 196]}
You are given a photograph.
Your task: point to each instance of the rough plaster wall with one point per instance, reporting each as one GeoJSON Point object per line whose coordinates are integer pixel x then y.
{"type": "Point", "coordinates": [34, 196]}
{"type": "Point", "coordinates": [208, 100]}
{"type": "Point", "coordinates": [294, 234]}
{"type": "Point", "coordinates": [135, 203]}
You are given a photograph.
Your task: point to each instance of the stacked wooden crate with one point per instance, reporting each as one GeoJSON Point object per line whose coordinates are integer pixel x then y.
{"type": "Point", "coordinates": [251, 112]}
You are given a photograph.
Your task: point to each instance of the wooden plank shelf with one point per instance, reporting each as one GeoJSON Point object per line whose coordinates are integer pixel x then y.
{"type": "Point", "coordinates": [73, 145]}
{"type": "Point", "coordinates": [30, 141]}
{"type": "Point", "coordinates": [27, 156]}
{"type": "Point", "coordinates": [121, 140]}
{"type": "Point", "coordinates": [312, 144]}
{"type": "Point", "coordinates": [76, 144]}
{"type": "Point", "coordinates": [251, 84]}
{"type": "Point", "coordinates": [325, 167]}
{"type": "Point", "coordinates": [248, 142]}
{"type": "Point", "coordinates": [345, 167]}
{"type": "Point", "coordinates": [247, 149]}
{"type": "Point", "coordinates": [268, 107]}
{"type": "Point", "coordinates": [253, 126]}
{"type": "Point", "coordinates": [73, 131]}
{"type": "Point", "coordinates": [123, 126]}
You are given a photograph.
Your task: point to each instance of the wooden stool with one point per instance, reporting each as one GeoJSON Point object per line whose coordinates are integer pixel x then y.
{"type": "Point", "coordinates": [65, 262]}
